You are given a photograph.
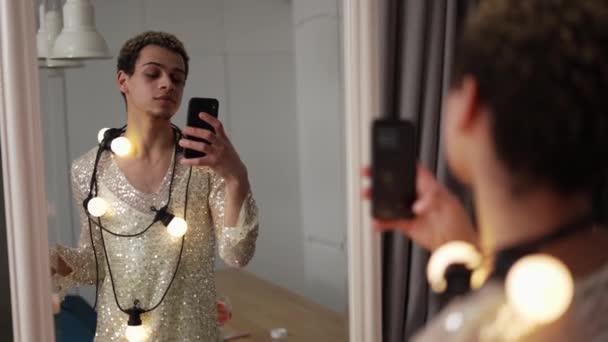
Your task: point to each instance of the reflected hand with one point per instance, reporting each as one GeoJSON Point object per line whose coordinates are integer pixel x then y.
{"type": "Point", "coordinates": [55, 303]}
{"type": "Point", "coordinates": [439, 216]}
{"type": "Point", "coordinates": [221, 155]}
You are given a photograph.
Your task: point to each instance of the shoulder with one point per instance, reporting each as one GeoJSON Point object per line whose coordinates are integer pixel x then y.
{"type": "Point", "coordinates": [194, 176]}
{"type": "Point", "coordinates": [201, 173]}
{"type": "Point", "coordinates": [486, 316]}
{"type": "Point", "coordinates": [82, 167]}
{"type": "Point", "coordinates": [463, 318]}
{"type": "Point", "coordinates": [590, 305]}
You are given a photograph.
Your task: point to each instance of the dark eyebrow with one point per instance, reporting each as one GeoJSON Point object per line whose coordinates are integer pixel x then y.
{"type": "Point", "coordinates": [162, 66]}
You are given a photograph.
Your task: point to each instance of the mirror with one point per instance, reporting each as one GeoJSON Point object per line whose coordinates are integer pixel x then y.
{"type": "Point", "coordinates": [276, 68]}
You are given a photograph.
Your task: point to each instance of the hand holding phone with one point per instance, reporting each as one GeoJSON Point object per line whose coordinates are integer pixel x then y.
{"type": "Point", "coordinates": [197, 105]}
{"type": "Point", "coordinates": [393, 169]}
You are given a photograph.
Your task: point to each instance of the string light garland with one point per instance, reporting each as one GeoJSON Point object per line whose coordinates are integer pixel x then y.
{"type": "Point", "coordinates": [95, 207]}
{"type": "Point", "coordinates": [121, 146]}
{"type": "Point", "coordinates": [451, 253]}
{"type": "Point", "coordinates": [135, 331]}
{"type": "Point", "coordinates": [538, 287]}
{"type": "Point", "coordinates": [101, 134]}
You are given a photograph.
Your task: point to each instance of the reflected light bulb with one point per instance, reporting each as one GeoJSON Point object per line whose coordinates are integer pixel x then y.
{"type": "Point", "coordinates": [135, 333]}
{"type": "Point", "coordinates": [97, 206]}
{"type": "Point", "coordinates": [177, 227]}
{"type": "Point", "coordinates": [101, 134]}
{"type": "Point", "coordinates": [121, 146]}
{"type": "Point", "coordinates": [454, 252]}
{"type": "Point", "coordinates": [540, 288]}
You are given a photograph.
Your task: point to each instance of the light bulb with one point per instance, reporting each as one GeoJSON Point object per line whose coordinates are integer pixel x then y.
{"type": "Point", "coordinates": [540, 288]}
{"type": "Point", "coordinates": [450, 253]}
{"type": "Point", "coordinates": [135, 330]}
{"type": "Point", "coordinates": [121, 146]}
{"type": "Point", "coordinates": [177, 227]}
{"type": "Point", "coordinates": [97, 206]}
{"type": "Point", "coordinates": [135, 333]}
{"type": "Point", "coordinates": [100, 134]}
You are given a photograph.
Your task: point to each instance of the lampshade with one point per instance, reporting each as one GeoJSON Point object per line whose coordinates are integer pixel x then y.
{"type": "Point", "coordinates": [49, 28]}
{"type": "Point", "coordinates": [59, 63]}
{"type": "Point", "coordinates": [51, 23]}
{"type": "Point", "coordinates": [79, 37]}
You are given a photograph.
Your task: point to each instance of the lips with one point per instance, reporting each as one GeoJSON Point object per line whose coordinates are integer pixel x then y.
{"type": "Point", "coordinates": [165, 99]}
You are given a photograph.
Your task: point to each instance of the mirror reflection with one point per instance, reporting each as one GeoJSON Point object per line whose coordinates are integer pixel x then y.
{"type": "Point", "coordinates": [195, 169]}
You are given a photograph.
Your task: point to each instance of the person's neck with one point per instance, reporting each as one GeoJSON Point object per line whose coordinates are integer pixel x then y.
{"type": "Point", "coordinates": [507, 218]}
{"type": "Point", "coordinates": [149, 137]}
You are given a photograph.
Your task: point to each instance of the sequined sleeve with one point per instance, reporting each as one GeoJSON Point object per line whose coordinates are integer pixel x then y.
{"type": "Point", "coordinates": [236, 245]}
{"type": "Point", "coordinates": [80, 259]}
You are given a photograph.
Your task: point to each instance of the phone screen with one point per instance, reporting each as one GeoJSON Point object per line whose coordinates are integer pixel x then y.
{"type": "Point", "coordinates": [196, 105]}
{"type": "Point", "coordinates": [393, 169]}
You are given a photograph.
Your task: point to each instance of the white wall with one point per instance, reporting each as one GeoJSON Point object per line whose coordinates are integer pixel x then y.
{"type": "Point", "coordinates": [56, 158]}
{"type": "Point", "coordinates": [321, 146]}
{"type": "Point", "coordinates": [242, 52]}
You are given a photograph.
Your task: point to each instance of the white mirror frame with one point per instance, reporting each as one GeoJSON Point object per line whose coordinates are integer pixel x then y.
{"type": "Point", "coordinates": [23, 171]}
{"type": "Point", "coordinates": [362, 104]}
{"type": "Point", "coordinates": [23, 174]}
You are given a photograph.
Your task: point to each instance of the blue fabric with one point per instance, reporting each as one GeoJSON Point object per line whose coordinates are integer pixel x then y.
{"type": "Point", "coordinates": [76, 321]}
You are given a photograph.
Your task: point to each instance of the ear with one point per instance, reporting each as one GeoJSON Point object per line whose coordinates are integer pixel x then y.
{"type": "Point", "coordinates": [465, 102]}
{"type": "Point", "coordinates": [122, 82]}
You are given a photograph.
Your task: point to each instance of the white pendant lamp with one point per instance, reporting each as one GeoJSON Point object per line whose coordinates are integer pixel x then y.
{"type": "Point", "coordinates": [79, 38]}
{"type": "Point", "coordinates": [51, 23]}
{"type": "Point", "coordinates": [49, 28]}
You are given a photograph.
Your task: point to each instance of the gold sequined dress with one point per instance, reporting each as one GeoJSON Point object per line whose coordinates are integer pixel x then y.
{"type": "Point", "coordinates": [143, 266]}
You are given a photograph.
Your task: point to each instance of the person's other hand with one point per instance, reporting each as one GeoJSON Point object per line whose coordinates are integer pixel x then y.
{"type": "Point", "coordinates": [55, 303]}
{"type": "Point", "coordinates": [439, 217]}
{"type": "Point", "coordinates": [224, 314]}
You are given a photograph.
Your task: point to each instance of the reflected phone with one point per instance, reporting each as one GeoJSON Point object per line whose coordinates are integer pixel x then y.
{"type": "Point", "coordinates": [393, 169]}
{"type": "Point", "coordinates": [195, 106]}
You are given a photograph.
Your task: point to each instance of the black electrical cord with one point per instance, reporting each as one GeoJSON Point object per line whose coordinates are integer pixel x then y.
{"type": "Point", "coordinates": [156, 218]}
{"type": "Point", "coordinates": [128, 311]}
{"type": "Point", "coordinates": [110, 135]}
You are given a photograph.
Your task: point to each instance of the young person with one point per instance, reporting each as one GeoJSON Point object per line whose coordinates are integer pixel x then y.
{"type": "Point", "coordinates": [143, 272]}
{"type": "Point", "coordinates": [526, 127]}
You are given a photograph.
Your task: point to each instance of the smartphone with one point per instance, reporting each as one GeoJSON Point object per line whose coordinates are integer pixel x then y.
{"type": "Point", "coordinates": [196, 105]}
{"type": "Point", "coordinates": [393, 169]}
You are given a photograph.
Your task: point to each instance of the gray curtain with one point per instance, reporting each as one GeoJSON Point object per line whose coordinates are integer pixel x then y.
{"type": "Point", "coordinates": [417, 49]}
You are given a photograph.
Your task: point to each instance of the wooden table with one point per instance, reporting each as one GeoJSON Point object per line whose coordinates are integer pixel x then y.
{"type": "Point", "coordinates": [259, 306]}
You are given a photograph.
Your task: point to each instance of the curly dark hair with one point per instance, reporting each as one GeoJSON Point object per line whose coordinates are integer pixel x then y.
{"type": "Point", "coordinates": [130, 50]}
{"type": "Point", "coordinates": [542, 70]}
